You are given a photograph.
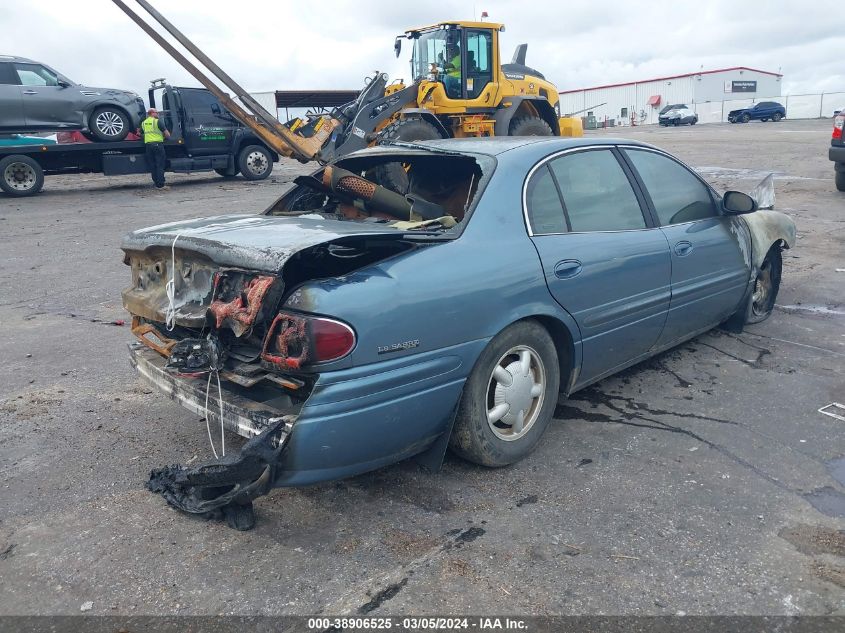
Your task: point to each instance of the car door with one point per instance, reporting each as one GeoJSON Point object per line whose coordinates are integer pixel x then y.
{"type": "Point", "coordinates": [710, 268]}
{"type": "Point", "coordinates": [601, 260]}
{"type": "Point", "coordinates": [46, 104]}
{"type": "Point", "coordinates": [11, 106]}
{"type": "Point", "coordinates": [208, 126]}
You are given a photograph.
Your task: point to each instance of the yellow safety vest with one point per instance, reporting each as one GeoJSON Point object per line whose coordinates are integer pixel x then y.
{"type": "Point", "coordinates": [152, 134]}
{"type": "Point", "coordinates": [456, 71]}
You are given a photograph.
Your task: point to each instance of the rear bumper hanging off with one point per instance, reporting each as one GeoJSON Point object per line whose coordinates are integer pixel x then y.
{"type": "Point", "coordinates": [225, 488]}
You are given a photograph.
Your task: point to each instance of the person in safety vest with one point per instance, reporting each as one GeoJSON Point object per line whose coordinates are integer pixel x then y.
{"type": "Point", "coordinates": [453, 73]}
{"type": "Point", "coordinates": [154, 133]}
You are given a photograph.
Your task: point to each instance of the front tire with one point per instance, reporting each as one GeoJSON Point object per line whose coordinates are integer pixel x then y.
{"type": "Point", "coordinates": [529, 126]}
{"type": "Point", "coordinates": [509, 398]}
{"type": "Point", "coordinates": [745, 118]}
{"type": "Point", "coordinates": [255, 162]}
{"type": "Point", "coordinates": [20, 176]}
{"type": "Point", "coordinates": [761, 303]}
{"type": "Point", "coordinates": [108, 124]}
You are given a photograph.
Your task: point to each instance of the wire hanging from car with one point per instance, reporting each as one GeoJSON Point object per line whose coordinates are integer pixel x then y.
{"type": "Point", "coordinates": [216, 373]}
{"type": "Point", "coordinates": [170, 289]}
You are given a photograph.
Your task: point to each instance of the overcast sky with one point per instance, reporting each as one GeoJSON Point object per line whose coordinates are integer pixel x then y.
{"type": "Point", "coordinates": [268, 45]}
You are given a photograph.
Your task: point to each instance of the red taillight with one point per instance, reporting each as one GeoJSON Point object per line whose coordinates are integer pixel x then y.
{"type": "Point", "coordinates": [838, 124]}
{"type": "Point", "coordinates": [295, 340]}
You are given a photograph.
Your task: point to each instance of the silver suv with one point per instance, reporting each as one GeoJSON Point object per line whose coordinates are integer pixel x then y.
{"type": "Point", "coordinates": [34, 97]}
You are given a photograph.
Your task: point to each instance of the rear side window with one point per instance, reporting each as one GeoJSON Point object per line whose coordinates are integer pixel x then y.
{"type": "Point", "coordinates": [597, 194]}
{"type": "Point", "coordinates": [545, 212]}
{"type": "Point", "coordinates": [35, 75]}
{"type": "Point", "coordinates": [677, 194]}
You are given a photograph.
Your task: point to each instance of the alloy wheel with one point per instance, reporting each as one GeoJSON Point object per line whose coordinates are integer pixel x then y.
{"type": "Point", "coordinates": [109, 123]}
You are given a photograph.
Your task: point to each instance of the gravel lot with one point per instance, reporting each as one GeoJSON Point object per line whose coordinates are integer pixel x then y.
{"type": "Point", "coordinates": [703, 481]}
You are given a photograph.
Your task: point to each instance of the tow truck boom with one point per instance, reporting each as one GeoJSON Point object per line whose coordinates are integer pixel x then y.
{"type": "Point", "coordinates": [277, 136]}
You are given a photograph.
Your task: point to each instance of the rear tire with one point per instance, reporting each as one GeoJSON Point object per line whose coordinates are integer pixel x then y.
{"type": "Point", "coordinates": [255, 162]}
{"type": "Point", "coordinates": [777, 116]}
{"type": "Point", "coordinates": [761, 303]}
{"type": "Point", "coordinates": [392, 175]}
{"type": "Point", "coordinates": [840, 179]}
{"type": "Point", "coordinates": [500, 395]}
{"type": "Point", "coordinates": [20, 176]}
{"type": "Point", "coordinates": [108, 124]}
{"type": "Point", "coordinates": [529, 126]}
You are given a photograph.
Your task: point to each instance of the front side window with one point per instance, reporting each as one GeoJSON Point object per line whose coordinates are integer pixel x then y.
{"type": "Point", "coordinates": [597, 194]}
{"type": "Point", "coordinates": [35, 75]}
{"type": "Point", "coordinates": [545, 212]}
{"type": "Point", "coordinates": [429, 48]}
{"type": "Point", "coordinates": [677, 194]}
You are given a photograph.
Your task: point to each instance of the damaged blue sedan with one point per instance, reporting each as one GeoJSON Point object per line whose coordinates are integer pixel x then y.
{"type": "Point", "coordinates": [354, 323]}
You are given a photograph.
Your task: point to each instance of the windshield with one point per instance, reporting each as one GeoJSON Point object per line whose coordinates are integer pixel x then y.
{"type": "Point", "coordinates": [434, 47]}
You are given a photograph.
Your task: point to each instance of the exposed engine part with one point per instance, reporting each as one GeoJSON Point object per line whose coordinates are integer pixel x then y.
{"type": "Point", "coordinates": [225, 488]}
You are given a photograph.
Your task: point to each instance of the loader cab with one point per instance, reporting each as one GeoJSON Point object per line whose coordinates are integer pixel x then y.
{"type": "Point", "coordinates": [461, 56]}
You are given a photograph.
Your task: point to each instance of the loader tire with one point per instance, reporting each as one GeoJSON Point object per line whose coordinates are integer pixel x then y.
{"type": "Point", "coordinates": [529, 126]}
{"type": "Point", "coordinates": [393, 175]}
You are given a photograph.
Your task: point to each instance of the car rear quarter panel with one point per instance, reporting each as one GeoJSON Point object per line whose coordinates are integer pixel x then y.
{"type": "Point", "coordinates": [446, 301]}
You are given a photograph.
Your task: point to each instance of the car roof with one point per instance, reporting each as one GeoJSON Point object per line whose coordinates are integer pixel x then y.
{"type": "Point", "coordinates": [499, 145]}
{"type": "Point", "coordinates": [13, 58]}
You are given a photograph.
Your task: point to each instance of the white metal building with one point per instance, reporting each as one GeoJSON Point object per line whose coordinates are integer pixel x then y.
{"type": "Point", "coordinates": [704, 91]}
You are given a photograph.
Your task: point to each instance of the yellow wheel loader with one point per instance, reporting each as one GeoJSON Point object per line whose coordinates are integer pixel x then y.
{"type": "Point", "coordinates": [460, 88]}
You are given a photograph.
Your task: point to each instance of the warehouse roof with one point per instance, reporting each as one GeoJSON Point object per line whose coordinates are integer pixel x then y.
{"type": "Point", "coordinates": [700, 72]}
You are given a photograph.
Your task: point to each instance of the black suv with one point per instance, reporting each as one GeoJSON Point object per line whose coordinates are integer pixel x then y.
{"type": "Point", "coordinates": [34, 97]}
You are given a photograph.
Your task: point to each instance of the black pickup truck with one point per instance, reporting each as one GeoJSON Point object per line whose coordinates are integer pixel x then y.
{"type": "Point", "coordinates": [837, 150]}
{"type": "Point", "coordinates": [204, 137]}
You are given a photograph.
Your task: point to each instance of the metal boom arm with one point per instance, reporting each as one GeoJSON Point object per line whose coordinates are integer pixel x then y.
{"type": "Point", "coordinates": [277, 136]}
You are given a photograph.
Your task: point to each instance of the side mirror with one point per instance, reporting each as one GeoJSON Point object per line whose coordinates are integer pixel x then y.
{"type": "Point", "coordinates": [397, 46]}
{"type": "Point", "coordinates": [738, 203]}
{"type": "Point", "coordinates": [215, 109]}
{"type": "Point", "coordinates": [62, 84]}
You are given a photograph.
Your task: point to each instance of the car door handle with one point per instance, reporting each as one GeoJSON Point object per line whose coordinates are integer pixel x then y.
{"type": "Point", "coordinates": [30, 92]}
{"type": "Point", "coordinates": [567, 268]}
{"type": "Point", "coordinates": [683, 248]}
